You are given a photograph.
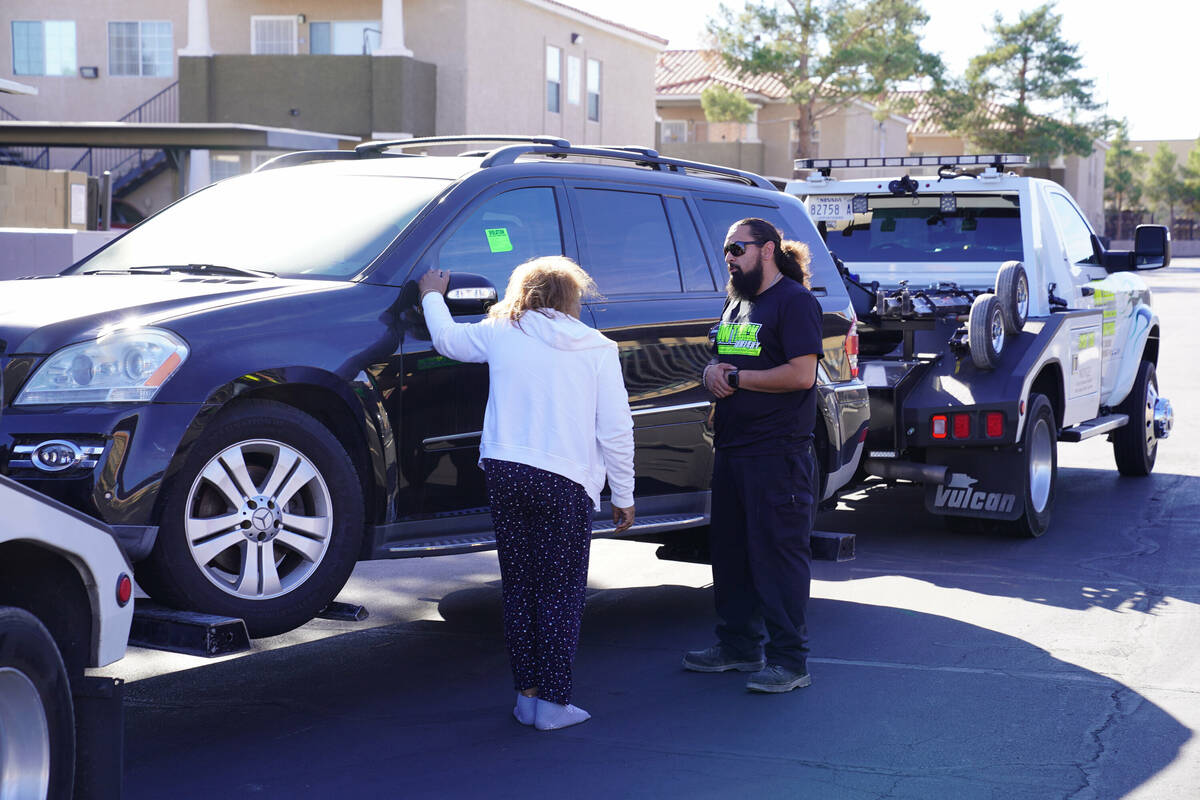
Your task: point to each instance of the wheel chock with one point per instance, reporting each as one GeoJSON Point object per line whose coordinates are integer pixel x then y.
{"type": "Point", "coordinates": [188, 632]}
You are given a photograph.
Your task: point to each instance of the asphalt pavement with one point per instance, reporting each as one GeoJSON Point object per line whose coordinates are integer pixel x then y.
{"type": "Point", "coordinates": [945, 665]}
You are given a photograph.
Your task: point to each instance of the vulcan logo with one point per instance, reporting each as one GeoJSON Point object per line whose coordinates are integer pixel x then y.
{"type": "Point", "coordinates": [959, 494]}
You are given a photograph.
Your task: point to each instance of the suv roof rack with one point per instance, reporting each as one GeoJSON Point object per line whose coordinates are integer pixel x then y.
{"type": "Point", "coordinates": [996, 161]}
{"type": "Point", "coordinates": [641, 156]}
{"type": "Point", "coordinates": [516, 146]}
{"type": "Point", "coordinates": [371, 148]}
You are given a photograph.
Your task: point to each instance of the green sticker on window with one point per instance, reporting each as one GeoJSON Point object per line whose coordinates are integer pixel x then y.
{"type": "Point", "coordinates": [498, 240]}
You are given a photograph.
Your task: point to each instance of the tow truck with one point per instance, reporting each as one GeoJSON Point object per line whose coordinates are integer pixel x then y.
{"type": "Point", "coordinates": [993, 324]}
{"type": "Point", "coordinates": [66, 593]}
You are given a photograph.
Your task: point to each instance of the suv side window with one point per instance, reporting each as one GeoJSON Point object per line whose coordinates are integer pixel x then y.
{"type": "Point", "coordinates": [627, 241]}
{"type": "Point", "coordinates": [720, 214]}
{"type": "Point", "coordinates": [693, 264]}
{"type": "Point", "coordinates": [1077, 236]}
{"type": "Point", "coordinates": [506, 230]}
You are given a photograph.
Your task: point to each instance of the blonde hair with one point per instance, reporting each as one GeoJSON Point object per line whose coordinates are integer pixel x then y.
{"type": "Point", "coordinates": [540, 284]}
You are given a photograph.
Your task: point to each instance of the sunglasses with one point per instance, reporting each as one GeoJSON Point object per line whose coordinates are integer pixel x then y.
{"type": "Point", "coordinates": [737, 249]}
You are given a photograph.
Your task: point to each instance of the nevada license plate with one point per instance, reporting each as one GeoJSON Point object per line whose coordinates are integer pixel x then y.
{"type": "Point", "coordinates": [830, 207]}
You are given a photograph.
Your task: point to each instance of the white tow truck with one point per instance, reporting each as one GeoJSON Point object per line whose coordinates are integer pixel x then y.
{"type": "Point", "coordinates": [65, 605]}
{"type": "Point", "coordinates": [993, 324]}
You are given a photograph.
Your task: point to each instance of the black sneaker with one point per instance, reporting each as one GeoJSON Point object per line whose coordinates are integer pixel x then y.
{"type": "Point", "coordinates": [718, 659]}
{"type": "Point", "coordinates": [777, 678]}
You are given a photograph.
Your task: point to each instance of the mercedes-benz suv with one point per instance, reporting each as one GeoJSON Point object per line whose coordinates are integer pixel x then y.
{"type": "Point", "coordinates": [243, 387]}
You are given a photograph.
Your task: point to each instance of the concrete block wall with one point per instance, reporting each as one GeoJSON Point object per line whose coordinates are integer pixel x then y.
{"type": "Point", "coordinates": [39, 198]}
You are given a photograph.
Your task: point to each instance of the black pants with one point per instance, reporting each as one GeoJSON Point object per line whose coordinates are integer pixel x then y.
{"type": "Point", "coordinates": [762, 518]}
{"type": "Point", "coordinates": [543, 525]}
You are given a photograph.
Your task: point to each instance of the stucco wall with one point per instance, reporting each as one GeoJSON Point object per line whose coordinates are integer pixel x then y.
{"type": "Point", "coordinates": [505, 75]}
{"type": "Point", "coordinates": [335, 94]}
{"type": "Point", "coordinates": [105, 98]}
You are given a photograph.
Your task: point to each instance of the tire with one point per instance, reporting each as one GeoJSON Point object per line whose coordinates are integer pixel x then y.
{"type": "Point", "coordinates": [1012, 289]}
{"type": "Point", "coordinates": [1039, 444]}
{"type": "Point", "coordinates": [1135, 446]}
{"type": "Point", "coordinates": [264, 522]}
{"type": "Point", "coordinates": [985, 331]}
{"type": "Point", "coordinates": [37, 720]}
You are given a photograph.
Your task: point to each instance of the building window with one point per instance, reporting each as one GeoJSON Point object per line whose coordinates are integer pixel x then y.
{"type": "Point", "coordinates": [673, 130]}
{"type": "Point", "coordinates": [224, 165]}
{"type": "Point", "coordinates": [144, 49]}
{"type": "Point", "coordinates": [593, 90]}
{"type": "Point", "coordinates": [574, 80]}
{"type": "Point", "coordinates": [553, 79]}
{"type": "Point", "coordinates": [273, 36]}
{"type": "Point", "coordinates": [43, 48]}
{"type": "Point", "coordinates": [344, 38]}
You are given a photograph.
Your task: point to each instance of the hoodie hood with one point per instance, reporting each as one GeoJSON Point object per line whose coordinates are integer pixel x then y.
{"type": "Point", "coordinates": [562, 331]}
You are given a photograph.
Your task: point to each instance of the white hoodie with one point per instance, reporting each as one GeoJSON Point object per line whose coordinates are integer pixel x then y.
{"type": "Point", "coordinates": [556, 399]}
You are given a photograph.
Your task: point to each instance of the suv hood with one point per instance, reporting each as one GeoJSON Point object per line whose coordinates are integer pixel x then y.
{"type": "Point", "coordinates": [41, 315]}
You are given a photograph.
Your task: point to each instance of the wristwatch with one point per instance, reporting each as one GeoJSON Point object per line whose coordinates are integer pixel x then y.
{"type": "Point", "coordinates": [732, 378]}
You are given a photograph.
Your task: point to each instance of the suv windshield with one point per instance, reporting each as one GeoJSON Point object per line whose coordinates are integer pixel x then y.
{"type": "Point", "coordinates": [293, 223]}
{"type": "Point", "coordinates": [983, 228]}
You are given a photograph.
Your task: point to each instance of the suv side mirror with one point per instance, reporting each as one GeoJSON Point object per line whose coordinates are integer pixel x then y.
{"type": "Point", "coordinates": [467, 293]}
{"type": "Point", "coordinates": [1151, 247]}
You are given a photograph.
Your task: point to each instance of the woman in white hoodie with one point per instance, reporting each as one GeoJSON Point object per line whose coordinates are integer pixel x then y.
{"type": "Point", "coordinates": [557, 422]}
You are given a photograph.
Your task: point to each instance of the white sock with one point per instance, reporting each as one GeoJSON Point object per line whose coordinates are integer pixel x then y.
{"type": "Point", "coordinates": [525, 709]}
{"type": "Point", "coordinates": [552, 716]}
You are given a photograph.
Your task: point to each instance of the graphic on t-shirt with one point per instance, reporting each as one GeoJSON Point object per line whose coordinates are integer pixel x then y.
{"type": "Point", "coordinates": [738, 339]}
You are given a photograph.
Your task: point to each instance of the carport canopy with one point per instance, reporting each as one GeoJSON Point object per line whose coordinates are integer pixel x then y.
{"type": "Point", "coordinates": [177, 139]}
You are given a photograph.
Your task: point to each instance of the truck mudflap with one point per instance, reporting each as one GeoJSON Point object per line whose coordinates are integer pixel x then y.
{"type": "Point", "coordinates": [988, 484]}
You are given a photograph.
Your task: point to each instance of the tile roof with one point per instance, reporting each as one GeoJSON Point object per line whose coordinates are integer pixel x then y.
{"type": "Point", "coordinates": [690, 72]}
{"type": "Point", "coordinates": [923, 112]}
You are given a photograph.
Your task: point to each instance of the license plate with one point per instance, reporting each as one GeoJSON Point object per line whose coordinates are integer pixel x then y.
{"type": "Point", "coordinates": [830, 207]}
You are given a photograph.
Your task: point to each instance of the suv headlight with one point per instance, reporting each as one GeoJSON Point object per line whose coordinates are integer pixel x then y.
{"type": "Point", "coordinates": [124, 367]}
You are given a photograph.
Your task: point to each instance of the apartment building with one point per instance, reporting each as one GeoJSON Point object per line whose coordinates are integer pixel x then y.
{"type": "Point", "coordinates": [364, 68]}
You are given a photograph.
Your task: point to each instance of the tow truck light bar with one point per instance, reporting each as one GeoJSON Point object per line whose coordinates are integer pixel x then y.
{"type": "Point", "coordinates": [996, 160]}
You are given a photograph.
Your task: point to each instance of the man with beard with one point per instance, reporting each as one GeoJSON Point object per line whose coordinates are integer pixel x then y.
{"type": "Point", "coordinates": [764, 480]}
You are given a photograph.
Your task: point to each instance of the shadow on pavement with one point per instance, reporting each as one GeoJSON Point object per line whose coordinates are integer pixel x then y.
{"type": "Point", "coordinates": [903, 705]}
{"type": "Point", "coordinates": [1113, 543]}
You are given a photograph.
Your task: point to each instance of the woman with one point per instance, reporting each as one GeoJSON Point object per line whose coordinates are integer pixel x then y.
{"type": "Point", "coordinates": [557, 421]}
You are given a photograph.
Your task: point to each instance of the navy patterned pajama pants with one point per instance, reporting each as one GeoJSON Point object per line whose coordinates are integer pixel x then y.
{"type": "Point", "coordinates": [543, 525]}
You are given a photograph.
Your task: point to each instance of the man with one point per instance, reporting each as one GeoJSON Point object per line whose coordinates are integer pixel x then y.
{"type": "Point", "coordinates": [764, 481]}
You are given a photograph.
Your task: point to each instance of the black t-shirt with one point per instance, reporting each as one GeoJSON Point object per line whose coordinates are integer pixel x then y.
{"type": "Point", "coordinates": [781, 323]}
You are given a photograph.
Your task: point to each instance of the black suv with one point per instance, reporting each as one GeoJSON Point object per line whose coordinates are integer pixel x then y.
{"type": "Point", "coordinates": [243, 386]}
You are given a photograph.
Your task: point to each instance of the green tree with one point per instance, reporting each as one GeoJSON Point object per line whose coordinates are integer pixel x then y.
{"type": "Point", "coordinates": [1164, 187]}
{"type": "Point", "coordinates": [827, 53]}
{"type": "Point", "coordinates": [1123, 170]}
{"type": "Point", "coordinates": [722, 104]}
{"type": "Point", "coordinates": [1024, 94]}
{"type": "Point", "coordinates": [1190, 174]}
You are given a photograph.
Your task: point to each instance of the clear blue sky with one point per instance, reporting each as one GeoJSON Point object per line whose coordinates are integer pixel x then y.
{"type": "Point", "coordinates": [1141, 55]}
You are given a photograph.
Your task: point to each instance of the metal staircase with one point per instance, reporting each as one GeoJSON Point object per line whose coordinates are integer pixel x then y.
{"type": "Point", "coordinates": [38, 158]}
{"type": "Point", "coordinates": [130, 168]}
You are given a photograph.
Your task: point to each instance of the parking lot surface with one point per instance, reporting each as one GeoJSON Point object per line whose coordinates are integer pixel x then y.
{"type": "Point", "coordinates": [944, 665]}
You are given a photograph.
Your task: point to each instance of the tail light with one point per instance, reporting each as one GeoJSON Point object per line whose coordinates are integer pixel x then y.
{"type": "Point", "coordinates": [124, 589]}
{"type": "Point", "coordinates": [962, 426]}
{"type": "Point", "coordinates": [851, 345]}
{"type": "Point", "coordinates": [994, 424]}
{"type": "Point", "coordinates": [938, 426]}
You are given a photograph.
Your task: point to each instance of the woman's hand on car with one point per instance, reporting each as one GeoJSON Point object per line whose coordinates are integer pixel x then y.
{"type": "Point", "coordinates": [622, 518]}
{"type": "Point", "coordinates": [434, 280]}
